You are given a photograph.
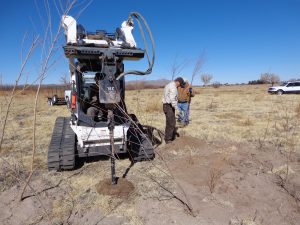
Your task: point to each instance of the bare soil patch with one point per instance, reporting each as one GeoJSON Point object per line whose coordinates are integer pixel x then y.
{"type": "Point", "coordinates": [123, 188]}
{"type": "Point", "coordinates": [184, 141]}
{"type": "Point", "coordinates": [244, 183]}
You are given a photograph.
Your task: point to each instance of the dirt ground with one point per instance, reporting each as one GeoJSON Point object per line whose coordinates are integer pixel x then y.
{"type": "Point", "coordinates": [231, 166]}
{"type": "Point", "coordinates": [205, 184]}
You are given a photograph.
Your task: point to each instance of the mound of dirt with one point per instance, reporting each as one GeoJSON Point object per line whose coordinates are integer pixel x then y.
{"type": "Point", "coordinates": [122, 189]}
{"type": "Point", "coordinates": [183, 142]}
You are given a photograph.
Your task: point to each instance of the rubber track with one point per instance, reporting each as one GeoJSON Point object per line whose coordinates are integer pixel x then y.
{"type": "Point", "coordinates": [61, 152]}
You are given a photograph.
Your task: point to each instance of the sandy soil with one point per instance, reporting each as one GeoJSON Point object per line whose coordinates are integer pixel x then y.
{"type": "Point", "coordinates": [206, 183]}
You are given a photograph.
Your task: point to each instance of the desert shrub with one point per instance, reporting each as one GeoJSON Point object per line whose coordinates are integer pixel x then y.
{"type": "Point", "coordinates": [216, 84]}
{"type": "Point", "coordinates": [213, 177]}
{"type": "Point", "coordinates": [9, 174]}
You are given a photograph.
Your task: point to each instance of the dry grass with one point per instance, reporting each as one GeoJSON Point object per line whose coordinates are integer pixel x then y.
{"type": "Point", "coordinates": [153, 104]}
{"type": "Point", "coordinates": [18, 133]}
{"type": "Point", "coordinates": [233, 113]}
{"type": "Point", "coordinates": [238, 114]}
{"type": "Point", "coordinates": [297, 110]}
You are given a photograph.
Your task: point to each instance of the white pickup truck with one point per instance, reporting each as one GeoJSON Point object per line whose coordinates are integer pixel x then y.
{"type": "Point", "coordinates": [286, 88]}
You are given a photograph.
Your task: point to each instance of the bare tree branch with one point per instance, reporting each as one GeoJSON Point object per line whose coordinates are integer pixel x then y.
{"type": "Point", "coordinates": [31, 49]}
{"type": "Point", "coordinates": [206, 78]}
{"type": "Point", "coordinates": [199, 63]}
{"type": "Point", "coordinates": [176, 67]}
{"type": "Point", "coordinates": [43, 72]}
{"type": "Point", "coordinates": [269, 78]}
{"type": "Point", "coordinates": [186, 204]}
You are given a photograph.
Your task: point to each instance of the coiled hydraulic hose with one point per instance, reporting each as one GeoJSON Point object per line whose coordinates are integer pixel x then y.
{"type": "Point", "coordinates": [140, 18]}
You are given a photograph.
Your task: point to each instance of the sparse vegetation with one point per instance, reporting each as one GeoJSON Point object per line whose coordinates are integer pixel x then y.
{"type": "Point", "coordinates": [212, 105]}
{"type": "Point", "coordinates": [216, 84]}
{"type": "Point", "coordinates": [266, 78]}
{"type": "Point", "coordinates": [213, 178]}
{"type": "Point", "coordinates": [239, 154]}
{"type": "Point", "coordinates": [232, 121]}
{"type": "Point", "coordinates": [206, 78]}
{"type": "Point", "coordinates": [269, 78]}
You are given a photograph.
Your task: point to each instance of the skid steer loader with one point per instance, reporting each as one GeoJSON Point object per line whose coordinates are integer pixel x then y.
{"type": "Point", "coordinates": [113, 131]}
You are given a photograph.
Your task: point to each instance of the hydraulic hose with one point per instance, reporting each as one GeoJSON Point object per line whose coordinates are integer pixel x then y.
{"type": "Point", "coordinates": [140, 18]}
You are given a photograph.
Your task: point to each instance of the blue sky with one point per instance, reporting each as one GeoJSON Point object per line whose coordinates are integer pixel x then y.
{"type": "Point", "coordinates": [241, 38]}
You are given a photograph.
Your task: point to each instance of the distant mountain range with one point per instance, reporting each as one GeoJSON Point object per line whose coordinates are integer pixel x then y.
{"type": "Point", "coordinates": [137, 84]}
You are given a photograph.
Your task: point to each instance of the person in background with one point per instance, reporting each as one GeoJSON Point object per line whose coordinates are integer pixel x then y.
{"type": "Point", "coordinates": [184, 100]}
{"type": "Point", "coordinates": [170, 100]}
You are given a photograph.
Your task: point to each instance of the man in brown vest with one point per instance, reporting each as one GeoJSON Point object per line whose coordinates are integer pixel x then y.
{"type": "Point", "coordinates": [184, 100]}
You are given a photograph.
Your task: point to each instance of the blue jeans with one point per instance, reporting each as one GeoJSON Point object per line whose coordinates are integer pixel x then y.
{"type": "Point", "coordinates": [183, 112]}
